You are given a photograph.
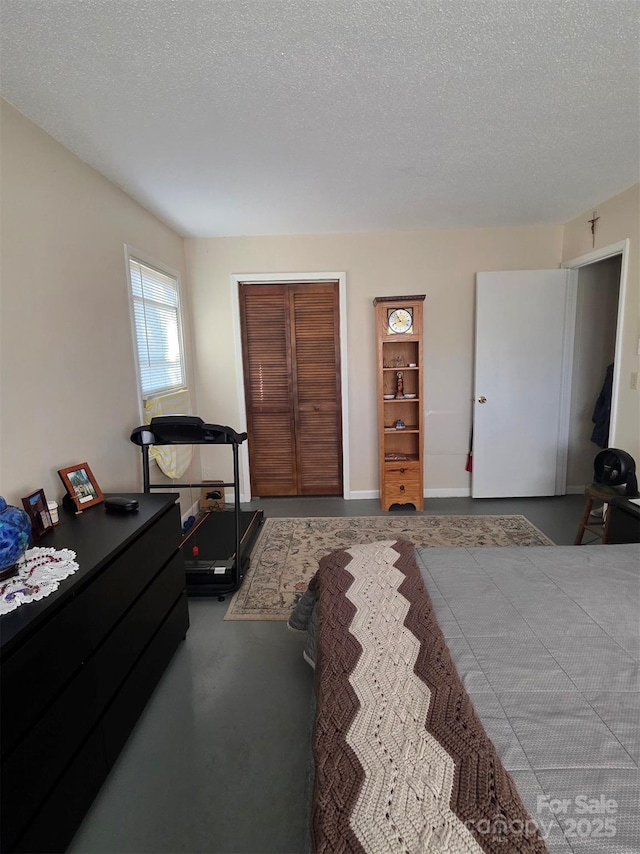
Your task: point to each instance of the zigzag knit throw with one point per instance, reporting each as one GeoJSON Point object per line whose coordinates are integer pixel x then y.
{"type": "Point", "coordinates": [403, 763]}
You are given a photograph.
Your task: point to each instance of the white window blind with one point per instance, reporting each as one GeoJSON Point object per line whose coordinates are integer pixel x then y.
{"type": "Point", "coordinates": [158, 328]}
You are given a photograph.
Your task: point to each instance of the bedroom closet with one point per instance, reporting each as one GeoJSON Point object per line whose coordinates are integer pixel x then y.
{"type": "Point", "coordinates": [291, 365]}
{"type": "Point", "coordinates": [598, 294]}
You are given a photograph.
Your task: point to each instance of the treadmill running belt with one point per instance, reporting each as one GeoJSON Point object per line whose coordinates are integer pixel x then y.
{"type": "Point", "coordinates": [210, 569]}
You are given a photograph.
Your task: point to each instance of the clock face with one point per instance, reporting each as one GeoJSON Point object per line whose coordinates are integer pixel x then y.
{"type": "Point", "coordinates": [400, 320]}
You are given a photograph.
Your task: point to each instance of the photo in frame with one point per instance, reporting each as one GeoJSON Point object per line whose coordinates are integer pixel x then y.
{"type": "Point", "coordinates": [36, 508]}
{"type": "Point", "coordinates": [81, 486]}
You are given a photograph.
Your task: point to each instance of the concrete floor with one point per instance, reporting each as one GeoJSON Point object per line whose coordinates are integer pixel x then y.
{"type": "Point", "coordinates": [219, 760]}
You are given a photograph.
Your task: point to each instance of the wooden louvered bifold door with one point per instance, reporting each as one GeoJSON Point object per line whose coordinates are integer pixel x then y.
{"type": "Point", "coordinates": [317, 389]}
{"type": "Point", "coordinates": [268, 389]}
{"type": "Point", "coordinates": [291, 356]}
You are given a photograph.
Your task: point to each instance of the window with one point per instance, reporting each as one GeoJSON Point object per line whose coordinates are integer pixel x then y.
{"type": "Point", "coordinates": [157, 328]}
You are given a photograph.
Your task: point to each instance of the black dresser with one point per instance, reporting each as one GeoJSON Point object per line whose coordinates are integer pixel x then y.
{"type": "Point", "coordinates": [78, 666]}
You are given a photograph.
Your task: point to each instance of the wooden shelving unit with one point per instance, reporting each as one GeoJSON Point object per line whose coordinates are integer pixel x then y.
{"type": "Point", "coordinates": [400, 406]}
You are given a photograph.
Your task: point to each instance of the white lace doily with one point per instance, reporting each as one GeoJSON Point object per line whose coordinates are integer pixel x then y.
{"type": "Point", "coordinates": [40, 572]}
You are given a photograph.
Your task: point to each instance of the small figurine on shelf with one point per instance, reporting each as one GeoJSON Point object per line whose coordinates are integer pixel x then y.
{"type": "Point", "coordinates": [399, 385]}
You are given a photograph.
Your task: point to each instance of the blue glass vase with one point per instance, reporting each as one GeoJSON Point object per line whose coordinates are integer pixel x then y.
{"type": "Point", "coordinates": [15, 530]}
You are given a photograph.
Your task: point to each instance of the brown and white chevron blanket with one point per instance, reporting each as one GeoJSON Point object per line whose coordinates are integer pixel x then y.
{"type": "Point", "coordinates": [402, 762]}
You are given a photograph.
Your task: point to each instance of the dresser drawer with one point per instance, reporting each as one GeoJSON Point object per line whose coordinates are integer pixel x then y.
{"type": "Point", "coordinates": [122, 713]}
{"type": "Point", "coordinates": [57, 819]}
{"type": "Point", "coordinates": [51, 657]}
{"type": "Point", "coordinates": [39, 667]}
{"type": "Point", "coordinates": [115, 658]}
{"type": "Point", "coordinates": [76, 710]}
{"type": "Point", "coordinates": [99, 645]}
{"type": "Point", "coordinates": [31, 770]}
{"type": "Point", "coordinates": [112, 591]}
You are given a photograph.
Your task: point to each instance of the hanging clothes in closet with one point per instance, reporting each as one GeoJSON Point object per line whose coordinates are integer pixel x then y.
{"type": "Point", "coordinates": [602, 411]}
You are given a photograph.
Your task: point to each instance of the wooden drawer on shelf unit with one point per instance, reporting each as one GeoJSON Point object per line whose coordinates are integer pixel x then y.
{"type": "Point", "coordinates": [397, 470]}
{"type": "Point", "coordinates": [402, 477]}
{"type": "Point", "coordinates": [402, 485]}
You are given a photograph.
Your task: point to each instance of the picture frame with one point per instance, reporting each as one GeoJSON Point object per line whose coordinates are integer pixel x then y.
{"type": "Point", "coordinates": [81, 485]}
{"type": "Point", "coordinates": [37, 510]}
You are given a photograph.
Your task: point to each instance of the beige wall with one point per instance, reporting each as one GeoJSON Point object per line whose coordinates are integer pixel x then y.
{"type": "Point", "coordinates": [440, 263]}
{"type": "Point", "coordinates": [619, 219]}
{"type": "Point", "coordinates": [68, 386]}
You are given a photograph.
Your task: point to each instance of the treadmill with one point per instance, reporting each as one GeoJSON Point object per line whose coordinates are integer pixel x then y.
{"type": "Point", "coordinates": [217, 547]}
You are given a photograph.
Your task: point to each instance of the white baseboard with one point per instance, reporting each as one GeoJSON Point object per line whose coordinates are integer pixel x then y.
{"type": "Point", "coordinates": [452, 492]}
{"type": "Point", "coordinates": [362, 494]}
{"type": "Point", "coordinates": [441, 492]}
{"type": "Point", "coordinates": [445, 492]}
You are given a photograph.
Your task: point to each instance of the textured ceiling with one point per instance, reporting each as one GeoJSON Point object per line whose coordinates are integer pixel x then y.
{"type": "Point", "coordinates": [289, 116]}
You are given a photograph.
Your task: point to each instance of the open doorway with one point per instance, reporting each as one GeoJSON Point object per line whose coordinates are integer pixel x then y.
{"type": "Point", "coordinates": [598, 291]}
{"type": "Point", "coordinates": [593, 356]}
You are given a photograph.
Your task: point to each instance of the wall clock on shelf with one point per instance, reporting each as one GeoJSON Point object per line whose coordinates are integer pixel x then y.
{"type": "Point", "coordinates": [400, 321]}
{"type": "Point", "coordinates": [399, 392]}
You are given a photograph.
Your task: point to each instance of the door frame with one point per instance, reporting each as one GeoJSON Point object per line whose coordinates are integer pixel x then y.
{"type": "Point", "coordinates": [573, 265]}
{"type": "Point", "coordinates": [289, 278]}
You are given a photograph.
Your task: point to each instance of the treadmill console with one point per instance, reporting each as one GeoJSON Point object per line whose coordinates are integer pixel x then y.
{"type": "Point", "coordinates": [184, 430]}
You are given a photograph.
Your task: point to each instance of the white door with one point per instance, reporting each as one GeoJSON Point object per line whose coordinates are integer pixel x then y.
{"type": "Point", "coordinates": [520, 321]}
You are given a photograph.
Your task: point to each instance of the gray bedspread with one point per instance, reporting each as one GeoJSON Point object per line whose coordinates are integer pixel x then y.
{"type": "Point", "coordinates": [546, 641]}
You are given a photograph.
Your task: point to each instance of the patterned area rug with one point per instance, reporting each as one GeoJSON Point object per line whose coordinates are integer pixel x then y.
{"type": "Point", "coordinates": [288, 551]}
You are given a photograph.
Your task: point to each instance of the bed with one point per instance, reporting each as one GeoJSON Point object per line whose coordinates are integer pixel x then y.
{"type": "Point", "coordinates": [475, 699]}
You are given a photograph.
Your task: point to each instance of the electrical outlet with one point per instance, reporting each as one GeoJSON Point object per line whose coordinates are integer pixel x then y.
{"type": "Point", "coordinates": [634, 379]}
